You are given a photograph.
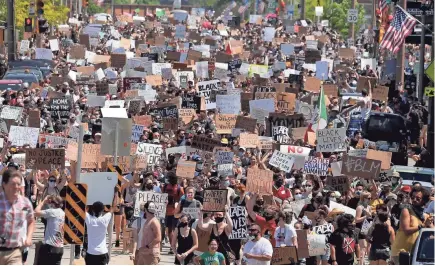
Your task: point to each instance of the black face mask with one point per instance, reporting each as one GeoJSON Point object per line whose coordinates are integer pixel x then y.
{"type": "Point", "coordinates": [173, 181]}
{"type": "Point", "coordinates": [181, 225]}
{"type": "Point", "coordinates": [279, 183]}
{"type": "Point", "coordinates": [259, 203]}
{"type": "Point", "coordinates": [219, 219]}
{"type": "Point", "coordinates": [268, 217]}
{"type": "Point", "coordinates": [149, 186]}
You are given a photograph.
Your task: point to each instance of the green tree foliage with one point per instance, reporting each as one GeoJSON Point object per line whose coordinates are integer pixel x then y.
{"type": "Point", "coordinates": [93, 8]}
{"type": "Point", "coordinates": [336, 13]}
{"type": "Point", "coordinates": [54, 12]}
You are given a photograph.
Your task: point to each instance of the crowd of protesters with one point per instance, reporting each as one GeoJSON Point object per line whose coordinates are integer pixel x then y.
{"type": "Point", "coordinates": [396, 211]}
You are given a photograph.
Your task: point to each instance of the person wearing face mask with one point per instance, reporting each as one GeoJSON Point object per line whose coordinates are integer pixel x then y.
{"type": "Point", "coordinates": [267, 221]}
{"type": "Point", "coordinates": [363, 212]}
{"type": "Point", "coordinates": [316, 202]}
{"type": "Point", "coordinates": [188, 201]}
{"type": "Point", "coordinates": [353, 202]}
{"type": "Point", "coordinates": [279, 190]}
{"type": "Point", "coordinates": [344, 241]}
{"type": "Point", "coordinates": [225, 184]}
{"type": "Point", "coordinates": [285, 233]}
{"type": "Point", "coordinates": [51, 251]}
{"type": "Point", "coordinates": [185, 241]}
{"type": "Point", "coordinates": [258, 250]}
{"type": "Point", "coordinates": [298, 194]}
{"type": "Point", "coordinates": [412, 219]}
{"type": "Point", "coordinates": [149, 252]}
{"type": "Point", "coordinates": [220, 231]}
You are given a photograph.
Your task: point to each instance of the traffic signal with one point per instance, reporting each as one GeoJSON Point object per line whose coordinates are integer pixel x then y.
{"type": "Point", "coordinates": [42, 25]}
{"type": "Point", "coordinates": [40, 10]}
{"type": "Point", "coordinates": [28, 25]}
{"type": "Point", "coordinates": [85, 3]}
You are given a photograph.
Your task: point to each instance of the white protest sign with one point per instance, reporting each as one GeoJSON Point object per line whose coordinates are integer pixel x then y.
{"type": "Point", "coordinates": [224, 157]}
{"type": "Point", "coordinates": [159, 199]}
{"type": "Point", "coordinates": [282, 160]}
{"type": "Point", "coordinates": [19, 158]}
{"type": "Point", "coordinates": [101, 186]}
{"type": "Point", "coordinates": [54, 44]}
{"type": "Point", "coordinates": [11, 112]}
{"type": "Point", "coordinates": [228, 104]}
{"type": "Point", "coordinates": [202, 69]}
{"type": "Point", "coordinates": [193, 212]}
{"type": "Point", "coordinates": [269, 34]}
{"type": "Point", "coordinates": [366, 226]}
{"type": "Point", "coordinates": [205, 89]}
{"type": "Point", "coordinates": [19, 136]}
{"type": "Point", "coordinates": [331, 140]}
{"type": "Point", "coordinates": [157, 68]}
{"type": "Point", "coordinates": [341, 207]}
{"type": "Point", "coordinates": [266, 104]}
{"type": "Point", "coordinates": [153, 151]}
{"type": "Point", "coordinates": [296, 150]}
{"type": "Point", "coordinates": [336, 168]}
{"type": "Point", "coordinates": [316, 245]}
{"type": "Point", "coordinates": [148, 95]}
{"type": "Point", "coordinates": [114, 112]}
{"type": "Point", "coordinates": [225, 169]}
{"type": "Point", "coordinates": [24, 46]}
{"type": "Point", "coordinates": [238, 216]}
{"type": "Point", "coordinates": [297, 205]}
{"type": "Point", "coordinates": [94, 101]}
{"type": "Point", "coordinates": [316, 166]}
{"type": "Point", "coordinates": [42, 53]}
{"type": "Point", "coordinates": [323, 229]}
{"type": "Point", "coordinates": [115, 103]}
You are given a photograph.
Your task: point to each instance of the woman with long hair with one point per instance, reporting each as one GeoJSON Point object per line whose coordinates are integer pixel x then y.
{"type": "Point", "coordinates": [363, 212]}
{"type": "Point", "coordinates": [185, 241]}
{"type": "Point", "coordinates": [380, 235]}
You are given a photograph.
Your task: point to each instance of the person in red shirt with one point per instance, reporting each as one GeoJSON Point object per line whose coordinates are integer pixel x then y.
{"type": "Point", "coordinates": [279, 190]}
{"type": "Point", "coordinates": [267, 223]}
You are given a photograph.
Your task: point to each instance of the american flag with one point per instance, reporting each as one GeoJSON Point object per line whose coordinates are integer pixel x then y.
{"type": "Point", "coordinates": [401, 26]}
{"type": "Point", "coordinates": [244, 7]}
{"type": "Point", "coordinates": [383, 6]}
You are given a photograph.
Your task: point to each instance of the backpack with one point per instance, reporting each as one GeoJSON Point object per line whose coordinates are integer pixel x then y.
{"type": "Point", "coordinates": [171, 198]}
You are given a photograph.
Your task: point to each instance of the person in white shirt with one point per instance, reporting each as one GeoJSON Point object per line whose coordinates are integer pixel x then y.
{"type": "Point", "coordinates": [285, 233]}
{"type": "Point", "coordinates": [258, 250]}
{"type": "Point", "coordinates": [97, 223]}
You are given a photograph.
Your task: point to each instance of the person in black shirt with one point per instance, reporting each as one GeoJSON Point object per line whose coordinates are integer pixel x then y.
{"type": "Point", "coordinates": [344, 241]}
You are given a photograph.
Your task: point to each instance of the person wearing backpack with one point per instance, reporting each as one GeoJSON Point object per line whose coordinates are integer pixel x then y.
{"type": "Point", "coordinates": [175, 192]}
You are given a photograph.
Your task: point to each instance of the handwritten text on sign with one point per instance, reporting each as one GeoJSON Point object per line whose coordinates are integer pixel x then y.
{"type": "Point", "coordinates": [259, 181]}
{"type": "Point", "coordinates": [316, 166]}
{"type": "Point", "coordinates": [282, 160]}
{"type": "Point", "coordinates": [215, 200]}
{"type": "Point", "coordinates": [238, 216]}
{"type": "Point", "coordinates": [361, 167]}
{"type": "Point", "coordinates": [331, 139]}
{"type": "Point", "coordinates": [160, 200]}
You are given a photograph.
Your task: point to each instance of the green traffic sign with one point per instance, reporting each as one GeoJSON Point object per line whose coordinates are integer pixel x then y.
{"type": "Point", "coordinates": [430, 71]}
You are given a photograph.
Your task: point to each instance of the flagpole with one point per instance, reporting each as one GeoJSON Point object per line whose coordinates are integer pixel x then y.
{"type": "Point", "coordinates": [400, 67]}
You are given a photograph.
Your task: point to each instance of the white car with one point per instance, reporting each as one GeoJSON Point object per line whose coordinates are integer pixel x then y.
{"type": "Point", "coordinates": [424, 248]}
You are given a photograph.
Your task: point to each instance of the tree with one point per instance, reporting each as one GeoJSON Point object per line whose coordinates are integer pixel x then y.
{"type": "Point", "coordinates": [336, 13]}
{"type": "Point", "coordinates": [54, 13]}
{"type": "Point", "coordinates": [93, 8]}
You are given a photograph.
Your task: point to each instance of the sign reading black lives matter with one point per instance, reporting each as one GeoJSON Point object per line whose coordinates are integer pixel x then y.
{"type": "Point", "coordinates": [160, 200]}
{"type": "Point", "coordinates": [238, 216]}
{"type": "Point", "coordinates": [60, 107]}
{"type": "Point", "coordinates": [331, 140]}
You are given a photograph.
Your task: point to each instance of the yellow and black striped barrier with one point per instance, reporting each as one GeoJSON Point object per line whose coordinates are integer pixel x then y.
{"type": "Point", "coordinates": [115, 169]}
{"type": "Point", "coordinates": [75, 213]}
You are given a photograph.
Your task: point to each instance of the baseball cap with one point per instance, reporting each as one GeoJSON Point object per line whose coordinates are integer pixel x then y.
{"type": "Point", "coordinates": [406, 189]}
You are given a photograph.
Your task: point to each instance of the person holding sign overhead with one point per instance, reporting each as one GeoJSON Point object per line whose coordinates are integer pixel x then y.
{"type": "Point", "coordinates": [220, 231]}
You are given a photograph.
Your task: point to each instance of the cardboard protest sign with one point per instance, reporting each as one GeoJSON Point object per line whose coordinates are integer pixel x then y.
{"type": "Point", "coordinates": [108, 137]}
{"type": "Point", "coordinates": [45, 159]}
{"type": "Point", "coordinates": [128, 82]}
{"type": "Point", "coordinates": [154, 80]}
{"type": "Point", "coordinates": [34, 118]}
{"type": "Point", "coordinates": [347, 53]}
{"type": "Point", "coordinates": [215, 200]}
{"type": "Point", "coordinates": [282, 160]}
{"type": "Point", "coordinates": [186, 169]}
{"type": "Point", "coordinates": [380, 93]}
{"type": "Point", "coordinates": [285, 102]}
{"type": "Point", "coordinates": [170, 123]}
{"type": "Point", "coordinates": [303, 251]}
{"type": "Point", "coordinates": [312, 84]}
{"type": "Point", "coordinates": [238, 216]}
{"type": "Point", "coordinates": [317, 245]}
{"type": "Point", "coordinates": [259, 181]}
{"type": "Point", "coordinates": [186, 115]}
{"type": "Point", "coordinates": [205, 143]}
{"type": "Point", "coordinates": [247, 123]}
{"type": "Point", "coordinates": [20, 136]}
{"type": "Point", "coordinates": [118, 60]}
{"type": "Point", "coordinates": [225, 169]}
{"type": "Point", "coordinates": [331, 140]}
{"type": "Point", "coordinates": [361, 167]}
{"type": "Point", "coordinates": [224, 123]}
{"type": "Point", "coordinates": [153, 152]}
{"type": "Point", "coordinates": [341, 207]}
{"type": "Point", "coordinates": [91, 155]}
{"type": "Point", "coordinates": [338, 183]}
{"type": "Point", "coordinates": [284, 256]}
{"type": "Point", "coordinates": [11, 112]}
{"type": "Point", "coordinates": [248, 140]}
{"type": "Point", "coordinates": [365, 82]}
{"type": "Point", "coordinates": [224, 157]}
{"type": "Point", "coordinates": [330, 90]}
{"type": "Point", "coordinates": [316, 166]}
{"type": "Point", "coordinates": [144, 120]}
{"type": "Point", "coordinates": [160, 200]}
{"type": "Point", "coordinates": [383, 156]}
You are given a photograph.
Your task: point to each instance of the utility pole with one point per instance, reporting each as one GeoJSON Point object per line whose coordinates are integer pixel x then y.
{"type": "Point", "coordinates": [352, 25]}
{"type": "Point", "coordinates": [400, 66]}
{"type": "Point", "coordinates": [302, 9]}
{"type": "Point", "coordinates": [11, 30]}
{"type": "Point", "coordinates": [375, 41]}
{"type": "Point", "coordinates": [422, 52]}
{"type": "Point", "coordinates": [113, 10]}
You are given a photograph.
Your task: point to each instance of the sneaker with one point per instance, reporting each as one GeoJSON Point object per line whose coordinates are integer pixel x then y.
{"type": "Point", "coordinates": [117, 244]}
